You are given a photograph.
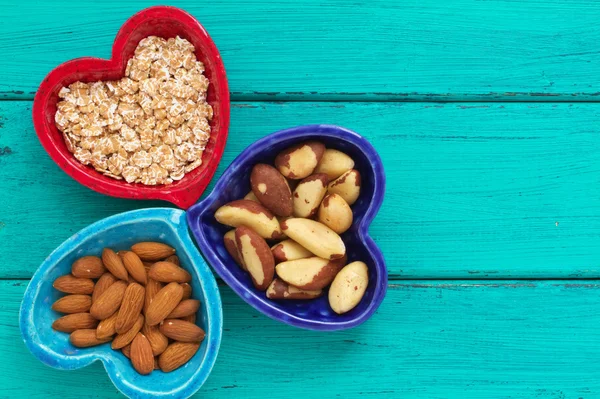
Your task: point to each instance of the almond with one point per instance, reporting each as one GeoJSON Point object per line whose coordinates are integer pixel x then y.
{"type": "Point", "coordinates": [142, 358]}
{"type": "Point", "coordinates": [131, 307]}
{"type": "Point", "coordinates": [182, 331]}
{"type": "Point", "coordinates": [348, 287]}
{"type": "Point", "coordinates": [300, 160]}
{"type": "Point", "coordinates": [73, 285]}
{"type": "Point", "coordinates": [256, 255]}
{"type": "Point", "coordinates": [73, 304]}
{"type": "Point", "coordinates": [309, 194]}
{"type": "Point", "coordinates": [185, 308]}
{"type": "Point", "coordinates": [310, 273]}
{"type": "Point", "coordinates": [176, 355]}
{"type": "Point", "coordinates": [316, 237]}
{"type": "Point", "coordinates": [110, 301]}
{"type": "Point", "coordinates": [156, 366]}
{"type": "Point", "coordinates": [271, 189]}
{"type": "Point", "coordinates": [114, 264]}
{"type": "Point", "coordinates": [251, 214]}
{"type": "Point", "coordinates": [167, 272]}
{"type": "Point", "coordinates": [334, 163]}
{"type": "Point", "coordinates": [190, 319]}
{"type": "Point", "coordinates": [152, 251]}
{"type": "Point", "coordinates": [187, 291]}
{"type": "Point", "coordinates": [135, 267]}
{"type": "Point", "coordinates": [279, 289]}
{"type": "Point", "coordinates": [123, 339]}
{"type": "Point", "coordinates": [106, 328]}
{"type": "Point", "coordinates": [347, 186]}
{"type": "Point", "coordinates": [75, 321]}
{"type": "Point", "coordinates": [157, 340]}
{"type": "Point", "coordinates": [335, 213]}
{"type": "Point", "coordinates": [102, 285]}
{"type": "Point", "coordinates": [289, 250]}
{"type": "Point", "coordinates": [88, 267]}
{"type": "Point", "coordinates": [173, 259]}
{"type": "Point", "coordinates": [232, 249]}
{"type": "Point", "coordinates": [85, 338]}
{"type": "Point", "coordinates": [163, 303]}
{"type": "Point", "coordinates": [152, 288]}
{"type": "Point", "coordinates": [126, 350]}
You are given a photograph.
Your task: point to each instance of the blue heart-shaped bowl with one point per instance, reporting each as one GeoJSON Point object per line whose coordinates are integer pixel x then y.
{"type": "Point", "coordinates": [315, 314]}
{"type": "Point", "coordinates": [120, 232]}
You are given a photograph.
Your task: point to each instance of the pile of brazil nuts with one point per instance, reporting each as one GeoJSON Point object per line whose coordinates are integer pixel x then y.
{"type": "Point", "coordinates": [304, 203]}
{"type": "Point", "coordinates": [140, 301]}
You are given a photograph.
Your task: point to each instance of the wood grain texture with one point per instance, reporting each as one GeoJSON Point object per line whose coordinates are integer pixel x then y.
{"type": "Point", "coordinates": [485, 191]}
{"type": "Point", "coordinates": [468, 339]}
{"type": "Point", "coordinates": [380, 50]}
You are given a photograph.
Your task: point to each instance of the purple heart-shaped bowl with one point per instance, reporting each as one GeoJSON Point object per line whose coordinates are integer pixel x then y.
{"type": "Point", "coordinates": [314, 314]}
{"type": "Point", "coordinates": [120, 232]}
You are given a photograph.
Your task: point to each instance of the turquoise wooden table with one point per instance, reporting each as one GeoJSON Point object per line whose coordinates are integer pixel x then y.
{"type": "Point", "coordinates": [485, 114]}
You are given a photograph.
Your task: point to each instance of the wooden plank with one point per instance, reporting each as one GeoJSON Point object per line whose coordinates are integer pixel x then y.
{"type": "Point", "coordinates": [468, 339]}
{"type": "Point", "coordinates": [377, 49]}
{"type": "Point", "coordinates": [486, 191]}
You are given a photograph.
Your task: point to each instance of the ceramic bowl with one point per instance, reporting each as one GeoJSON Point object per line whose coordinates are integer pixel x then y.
{"type": "Point", "coordinates": [160, 21]}
{"type": "Point", "coordinates": [315, 314]}
{"type": "Point", "coordinates": [120, 232]}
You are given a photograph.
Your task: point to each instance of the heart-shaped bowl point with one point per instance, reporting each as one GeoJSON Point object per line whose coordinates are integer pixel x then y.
{"type": "Point", "coordinates": [120, 232]}
{"type": "Point", "coordinates": [313, 314]}
{"type": "Point", "coordinates": [165, 22]}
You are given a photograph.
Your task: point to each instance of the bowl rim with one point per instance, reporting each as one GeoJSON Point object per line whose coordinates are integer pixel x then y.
{"type": "Point", "coordinates": [176, 218]}
{"type": "Point", "coordinates": [299, 133]}
{"type": "Point", "coordinates": [185, 193]}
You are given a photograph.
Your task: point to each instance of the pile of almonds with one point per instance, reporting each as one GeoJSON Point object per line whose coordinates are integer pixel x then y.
{"type": "Point", "coordinates": [140, 301]}
{"type": "Point", "coordinates": [308, 182]}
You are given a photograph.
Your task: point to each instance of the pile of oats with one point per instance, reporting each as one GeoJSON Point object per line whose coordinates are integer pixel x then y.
{"type": "Point", "coordinates": [150, 127]}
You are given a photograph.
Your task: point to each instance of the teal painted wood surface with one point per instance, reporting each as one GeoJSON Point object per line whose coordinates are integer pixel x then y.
{"type": "Point", "coordinates": [469, 339]}
{"type": "Point", "coordinates": [489, 190]}
{"type": "Point", "coordinates": [377, 49]}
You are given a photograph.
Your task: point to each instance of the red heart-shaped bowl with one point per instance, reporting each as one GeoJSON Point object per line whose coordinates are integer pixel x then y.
{"type": "Point", "coordinates": [160, 21]}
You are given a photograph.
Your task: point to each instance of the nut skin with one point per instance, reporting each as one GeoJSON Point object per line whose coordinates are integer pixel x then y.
{"type": "Point", "coordinates": [131, 307]}
{"type": "Point", "coordinates": [334, 163]}
{"type": "Point", "coordinates": [232, 249]}
{"type": "Point", "coordinates": [256, 255]}
{"type": "Point", "coordinates": [347, 186]}
{"type": "Point", "coordinates": [348, 287]}
{"type": "Point", "coordinates": [152, 288]}
{"type": "Point", "coordinates": [185, 308]}
{"type": "Point", "coordinates": [134, 266]}
{"type": "Point", "coordinates": [251, 214]}
{"type": "Point", "coordinates": [84, 338]}
{"type": "Point", "coordinates": [308, 195]}
{"type": "Point", "coordinates": [289, 250]}
{"type": "Point", "coordinates": [125, 338]}
{"type": "Point", "coordinates": [315, 237]}
{"type": "Point", "coordinates": [110, 301]}
{"type": "Point", "coordinates": [152, 251]}
{"type": "Point", "coordinates": [105, 281]}
{"type": "Point", "coordinates": [335, 213]}
{"type": "Point", "coordinates": [163, 303]}
{"type": "Point", "coordinates": [75, 321]}
{"type": "Point", "coordinates": [271, 189]}
{"type": "Point", "coordinates": [73, 304]}
{"type": "Point", "coordinates": [73, 285]}
{"type": "Point", "coordinates": [167, 272]}
{"type": "Point", "coordinates": [310, 273]}
{"type": "Point", "coordinates": [176, 355]}
{"type": "Point", "coordinates": [279, 289]}
{"type": "Point", "coordinates": [182, 331]}
{"type": "Point", "coordinates": [187, 291]}
{"type": "Point", "coordinates": [157, 340]}
{"type": "Point", "coordinates": [300, 161]}
{"type": "Point", "coordinates": [114, 264]}
{"type": "Point", "coordinates": [141, 355]}
{"type": "Point", "coordinates": [88, 267]}
{"type": "Point", "coordinates": [107, 327]}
